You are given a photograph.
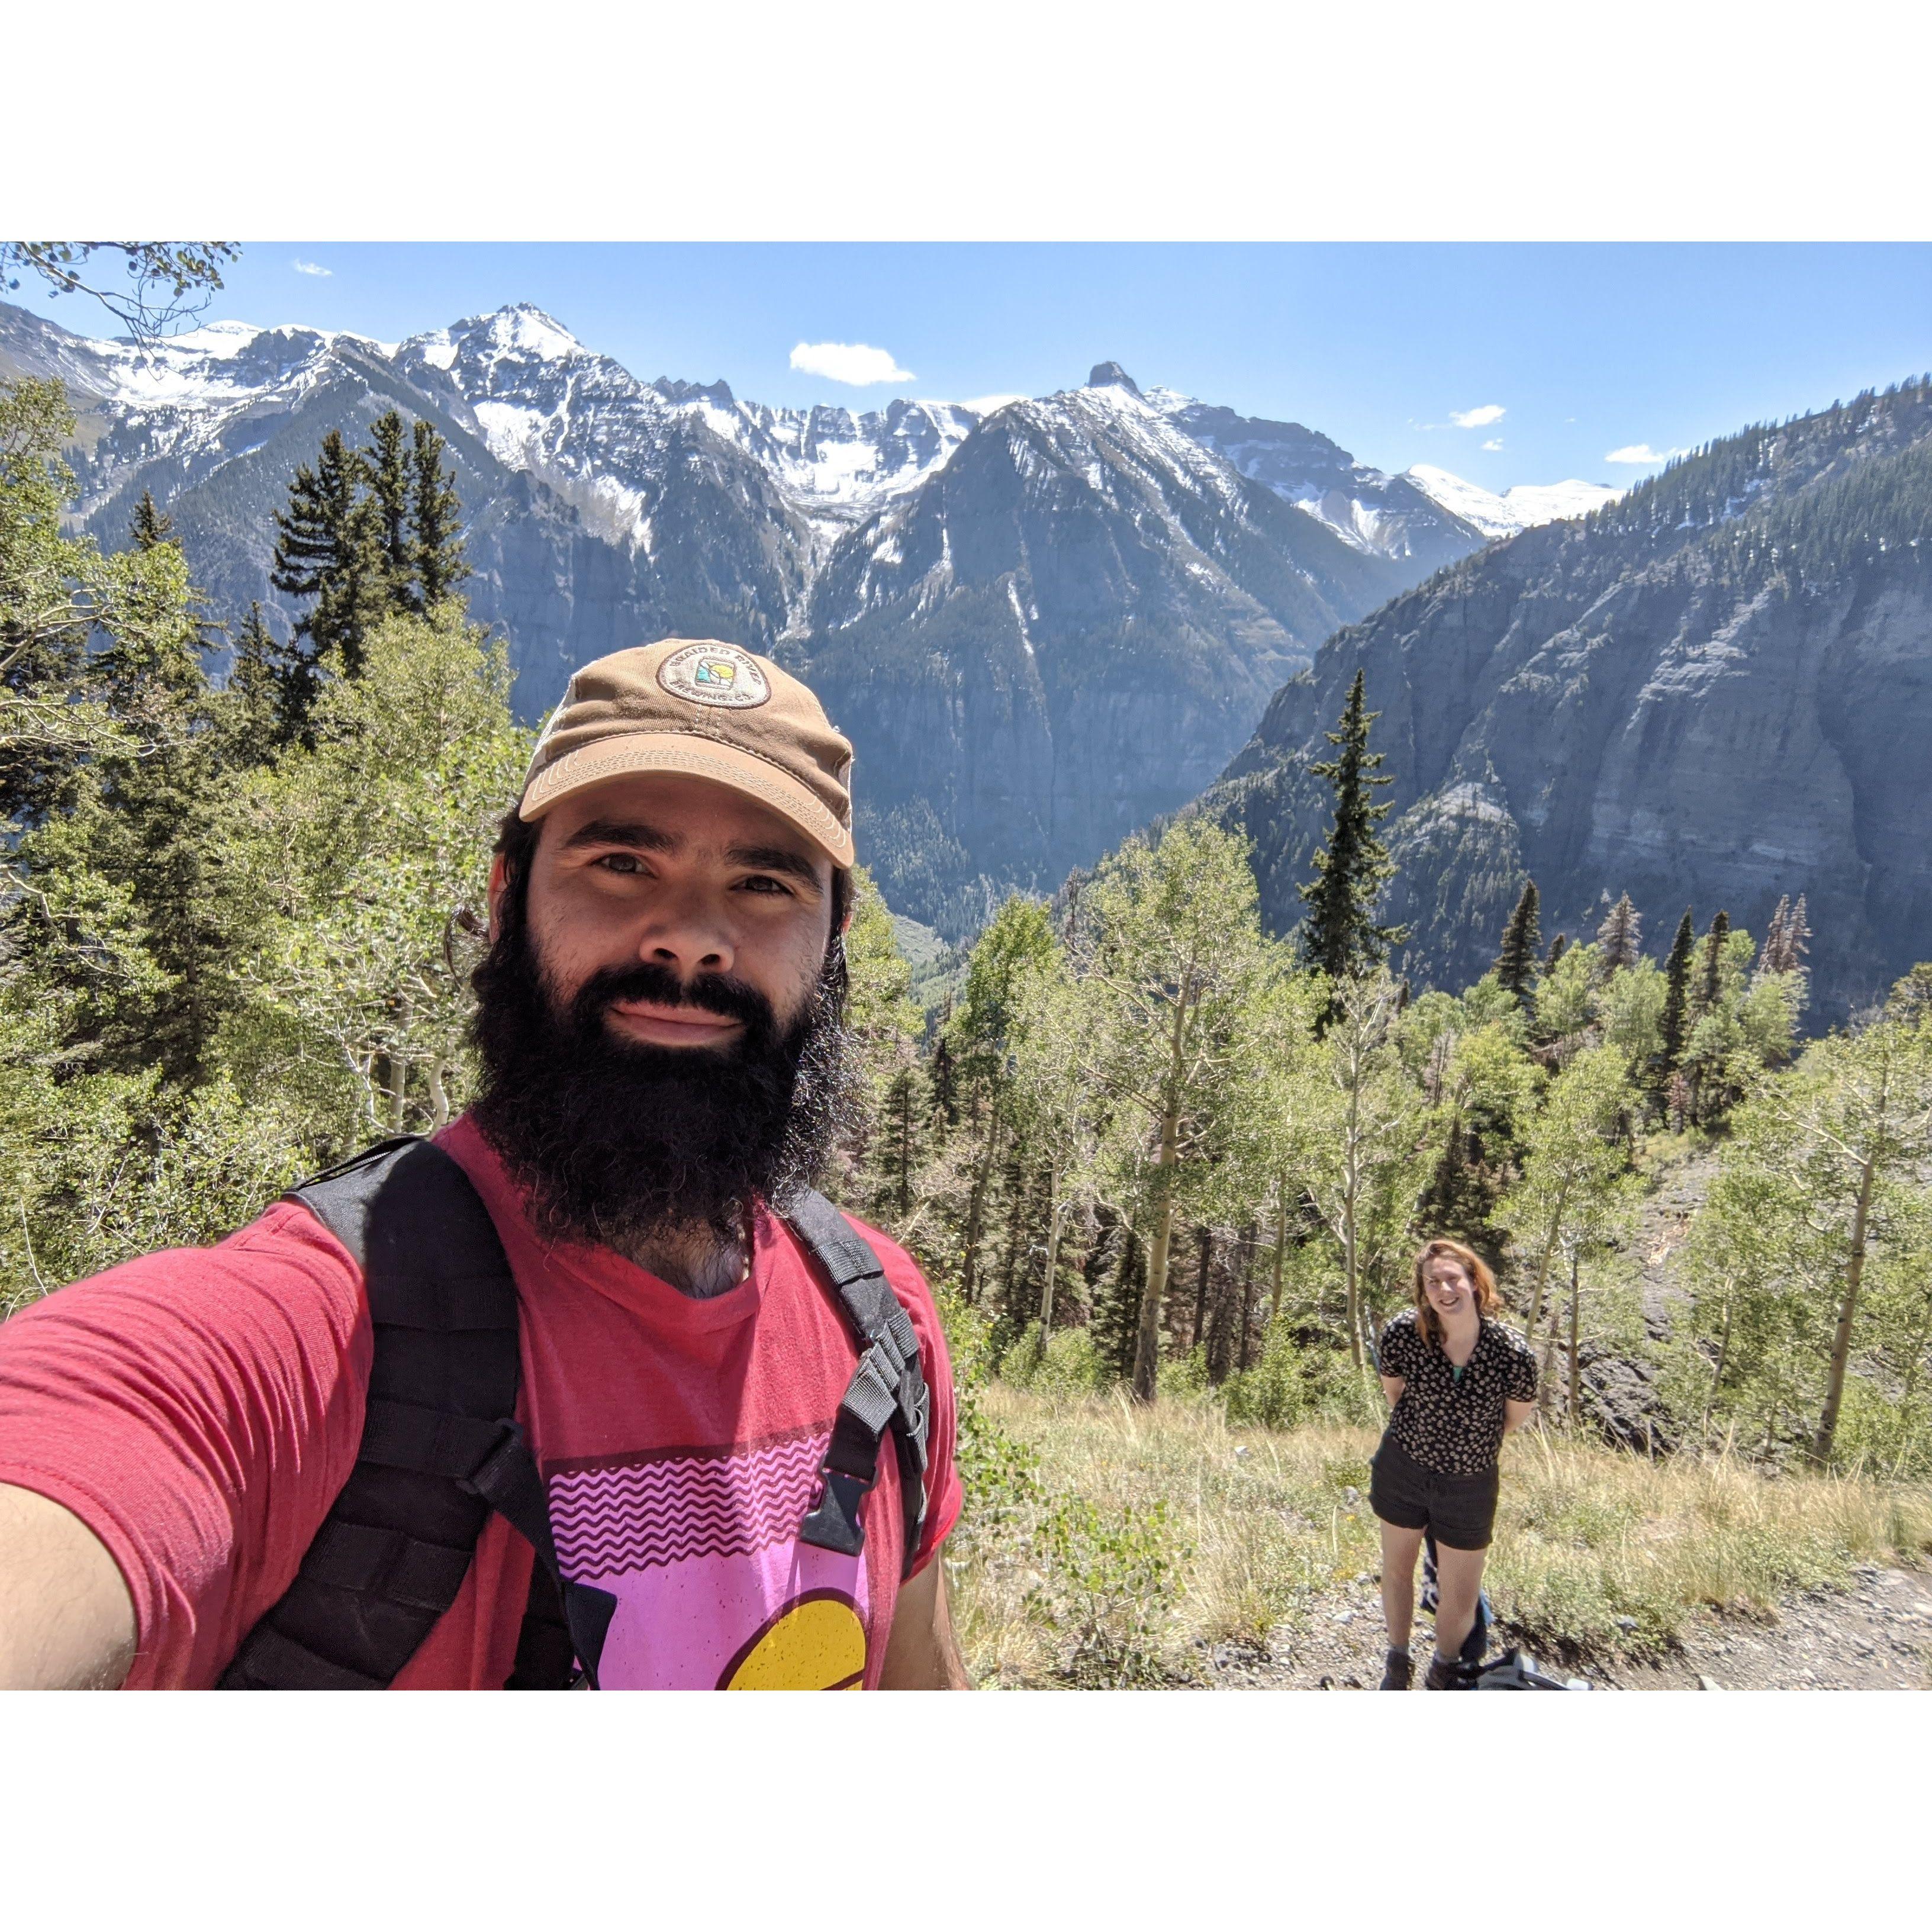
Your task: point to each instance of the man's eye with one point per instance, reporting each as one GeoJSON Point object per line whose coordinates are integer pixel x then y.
{"type": "Point", "coordinates": [621, 862]}
{"type": "Point", "coordinates": [760, 883]}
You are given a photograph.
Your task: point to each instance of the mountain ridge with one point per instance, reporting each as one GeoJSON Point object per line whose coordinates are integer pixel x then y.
{"type": "Point", "coordinates": [1717, 690]}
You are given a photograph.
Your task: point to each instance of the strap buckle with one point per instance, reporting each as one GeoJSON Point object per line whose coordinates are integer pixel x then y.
{"type": "Point", "coordinates": [836, 1524]}
{"type": "Point", "coordinates": [486, 1479]}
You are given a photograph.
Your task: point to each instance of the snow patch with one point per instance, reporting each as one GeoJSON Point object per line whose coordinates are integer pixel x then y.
{"type": "Point", "coordinates": [1517, 509]}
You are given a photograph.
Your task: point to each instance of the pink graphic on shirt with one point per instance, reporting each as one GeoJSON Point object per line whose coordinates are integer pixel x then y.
{"type": "Point", "coordinates": [713, 1587]}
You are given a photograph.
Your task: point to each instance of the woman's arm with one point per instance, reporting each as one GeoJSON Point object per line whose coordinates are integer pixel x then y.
{"type": "Point", "coordinates": [1516, 1414]}
{"type": "Point", "coordinates": [1393, 1387]}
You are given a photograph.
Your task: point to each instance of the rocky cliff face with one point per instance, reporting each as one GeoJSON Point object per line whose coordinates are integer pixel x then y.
{"type": "Point", "coordinates": [1062, 634]}
{"type": "Point", "coordinates": [644, 524]}
{"type": "Point", "coordinates": [1715, 692]}
{"type": "Point", "coordinates": [1041, 629]}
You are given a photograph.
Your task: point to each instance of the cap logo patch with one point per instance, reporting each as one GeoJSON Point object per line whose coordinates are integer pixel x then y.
{"type": "Point", "coordinates": [718, 674]}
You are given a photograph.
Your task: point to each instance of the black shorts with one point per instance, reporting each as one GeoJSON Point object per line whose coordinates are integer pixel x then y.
{"type": "Point", "coordinates": [1461, 1511]}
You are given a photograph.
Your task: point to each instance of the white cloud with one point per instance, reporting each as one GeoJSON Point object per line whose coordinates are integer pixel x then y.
{"type": "Point", "coordinates": [1494, 442]}
{"type": "Point", "coordinates": [302, 267]}
{"type": "Point", "coordinates": [857, 364]}
{"type": "Point", "coordinates": [1640, 452]}
{"type": "Point", "coordinates": [1478, 418]}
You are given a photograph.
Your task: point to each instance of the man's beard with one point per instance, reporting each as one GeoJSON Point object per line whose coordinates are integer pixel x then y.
{"type": "Point", "coordinates": [625, 1144]}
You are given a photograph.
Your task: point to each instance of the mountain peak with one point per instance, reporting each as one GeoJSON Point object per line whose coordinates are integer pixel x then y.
{"type": "Point", "coordinates": [1111, 375]}
{"type": "Point", "coordinates": [523, 326]}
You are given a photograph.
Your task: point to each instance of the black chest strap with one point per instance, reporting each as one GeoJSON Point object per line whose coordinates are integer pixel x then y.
{"type": "Point", "coordinates": [887, 1391]}
{"type": "Point", "coordinates": [440, 1448]}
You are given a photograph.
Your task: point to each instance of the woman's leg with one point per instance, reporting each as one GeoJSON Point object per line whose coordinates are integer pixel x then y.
{"type": "Point", "coordinates": [1459, 1577]}
{"type": "Point", "coordinates": [1400, 1547]}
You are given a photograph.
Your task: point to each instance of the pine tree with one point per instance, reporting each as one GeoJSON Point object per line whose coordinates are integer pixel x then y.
{"type": "Point", "coordinates": [263, 669]}
{"type": "Point", "coordinates": [1340, 936]}
{"type": "Point", "coordinates": [388, 461]}
{"type": "Point", "coordinates": [1516, 964]}
{"type": "Point", "coordinates": [435, 511]}
{"type": "Point", "coordinates": [1116, 1307]}
{"type": "Point", "coordinates": [1772, 955]}
{"type": "Point", "coordinates": [1711, 983]}
{"type": "Point", "coordinates": [943, 1080]}
{"type": "Point", "coordinates": [1620, 936]}
{"type": "Point", "coordinates": [1797, 938]}
{"type": "Point", "coordinates": [1558, 946]}
{"type": "Point", "coordinates": [328, 546]}
{"type": "Point", "coordinates": [151, 525]}
{"type": "Point", "coordinates": [1676, 993]}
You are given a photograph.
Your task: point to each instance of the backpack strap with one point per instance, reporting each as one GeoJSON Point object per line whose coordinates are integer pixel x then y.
{"type": "Point", "coordinates": [887, 1391]}
{"type": "Point", "coordinates": [441, 1448]}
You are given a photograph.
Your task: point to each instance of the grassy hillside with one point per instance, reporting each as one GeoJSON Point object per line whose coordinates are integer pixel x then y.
{"type": "Point", "coordinates": [1109, 1543]}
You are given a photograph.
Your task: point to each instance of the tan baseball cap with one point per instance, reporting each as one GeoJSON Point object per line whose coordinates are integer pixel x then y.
{"type": "Point", "coordinates": [709, 710]}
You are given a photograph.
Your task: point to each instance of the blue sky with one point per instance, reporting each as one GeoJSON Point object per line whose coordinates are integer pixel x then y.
{"type": "Point", "coordinates": [1584, 349]}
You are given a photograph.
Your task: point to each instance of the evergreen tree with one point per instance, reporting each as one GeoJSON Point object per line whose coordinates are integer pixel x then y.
{"type": "Point", "coordinates": [1784, 943]}
{"type": "Point", "coordinates": [943, 1079]}
{"type": "Point", "coordinates": [1516, 964]}
{"type": "Point", "coordinates": [1676, 996]}
{"type": "Point", "coordinates": [434, 511]}
{"type": "Point", "coordinates": [1558, 946]}
{"type": "Point", "coordinates": [1711, 981]}
{"type": "Point", "coordinates": [1341, 936]}
{"type": "Point", "coordinates": [1116, 1307]}
{"type": "Point", "coordinates": [152, 524]}
{"type": "Point", "coordinates": [388, 462]}
{"type": "Point", "coordinates": [1619, 937]}
{"type": "Point", "coordinates": [328, 546]}
{"type": "Point", "coordinates": [257, 680]}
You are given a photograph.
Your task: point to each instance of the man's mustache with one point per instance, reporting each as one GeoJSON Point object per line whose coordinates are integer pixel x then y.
{"type": "Point", "coordinates": [709, 992]}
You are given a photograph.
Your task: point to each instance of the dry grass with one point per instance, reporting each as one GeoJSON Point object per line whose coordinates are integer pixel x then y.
{"type": "Point", "coordinates": [1598, 1553]}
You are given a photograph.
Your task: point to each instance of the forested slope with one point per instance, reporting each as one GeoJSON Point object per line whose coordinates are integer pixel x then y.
{"type": "Point", "coordinates": [1717, 691]}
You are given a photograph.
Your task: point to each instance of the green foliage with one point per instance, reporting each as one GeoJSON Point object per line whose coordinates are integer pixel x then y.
{"type": "Point", "coordinates": [165, 281]}
{"type": "Point", "coordinates": [1069, 1364]}
{"type": "Point", "coordinates": [1340, 936]}
{"type": "Point", "coordinates": [1809, 1253]}
{"type": "Point", "coordinates": [1294, 1383]}
{"type": "Point", "coordinates": [1517, 963]}
{"type": "Point", "coordinates": [1109, 1583]}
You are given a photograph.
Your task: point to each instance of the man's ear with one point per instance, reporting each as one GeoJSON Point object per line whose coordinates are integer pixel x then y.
{"type": "Point", "coordinates": [499, 882]}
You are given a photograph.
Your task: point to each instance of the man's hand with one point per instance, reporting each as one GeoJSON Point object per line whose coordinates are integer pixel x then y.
{"type": "Point", "coordinates": [921, 1653]}
{"type": "Point", "coordinates": [67, 1622]}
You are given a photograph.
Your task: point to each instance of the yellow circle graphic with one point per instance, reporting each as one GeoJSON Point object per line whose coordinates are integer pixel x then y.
{"type": "Point", "coordinates": [816, 1643]}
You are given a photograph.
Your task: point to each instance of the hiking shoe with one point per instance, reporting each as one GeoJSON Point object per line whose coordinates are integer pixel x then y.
{"type": "Point", "coordinates": [1448, 1673]}
{"type": "Point", "coordinates": [1397, 1670]}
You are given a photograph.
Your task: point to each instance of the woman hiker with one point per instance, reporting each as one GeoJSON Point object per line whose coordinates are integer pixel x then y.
{"type": "Point", "coordinates": [1457, 1382]}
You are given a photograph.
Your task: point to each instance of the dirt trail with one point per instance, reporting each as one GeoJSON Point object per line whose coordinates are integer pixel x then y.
{"type": "Point", "coordinates": [1874, 1635]}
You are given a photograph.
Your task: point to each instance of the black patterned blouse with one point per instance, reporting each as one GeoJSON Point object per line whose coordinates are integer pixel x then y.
{"type": "Point", "coordinates": [1451, 1423]}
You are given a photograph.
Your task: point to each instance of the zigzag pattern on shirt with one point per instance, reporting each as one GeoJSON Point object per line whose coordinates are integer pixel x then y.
{"type": "Point", "coordinates": [646, 1514]}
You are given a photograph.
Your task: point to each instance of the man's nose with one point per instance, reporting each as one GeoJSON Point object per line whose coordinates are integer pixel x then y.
{"type": "Point", "coordinates": [686, 935]}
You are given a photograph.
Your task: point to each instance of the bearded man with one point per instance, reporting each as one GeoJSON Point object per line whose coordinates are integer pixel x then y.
{"type": "Point", "coordinates": [291, 1460]}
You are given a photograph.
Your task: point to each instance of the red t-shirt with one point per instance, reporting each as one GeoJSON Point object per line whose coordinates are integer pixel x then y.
{"type": "Point", "coordinates": [198, 1410]}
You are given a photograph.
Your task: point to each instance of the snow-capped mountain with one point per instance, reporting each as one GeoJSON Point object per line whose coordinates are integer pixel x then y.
{"type": "Point", "coordinates": [1519, 508]}
{"type": "Point", "coordinates": [1050, 640]}
{"type": "Point", "coordinates": [1045, 621]}
{"type": "Point", "coordinates": [547, 404]}
{"type": "Point", "coordinates": [1371, 511]}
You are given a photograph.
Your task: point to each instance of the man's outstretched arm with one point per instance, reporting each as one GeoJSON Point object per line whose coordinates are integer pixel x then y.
{"type": "Point", "coordinates": [67, 1622]}
{"type": "Point", "coordinates": [921, 1653]}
